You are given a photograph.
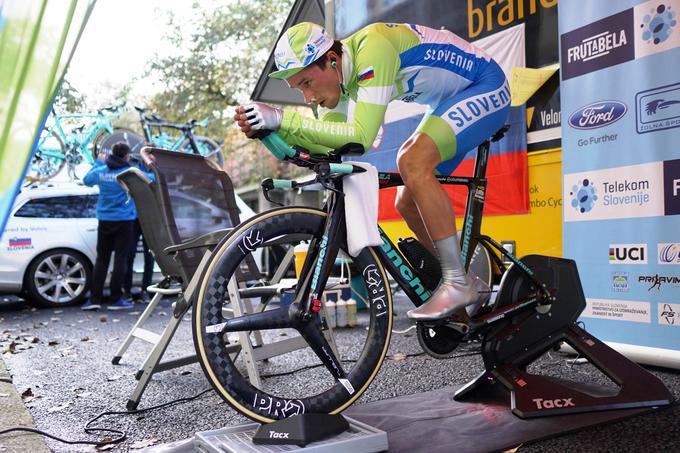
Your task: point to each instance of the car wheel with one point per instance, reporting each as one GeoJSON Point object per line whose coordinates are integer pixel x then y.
{"type": "Point", "coordinates": [58, 277]}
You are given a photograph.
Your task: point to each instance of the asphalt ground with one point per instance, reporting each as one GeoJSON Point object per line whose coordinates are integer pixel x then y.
{"type": "Point", "coordinates": [62, 376]}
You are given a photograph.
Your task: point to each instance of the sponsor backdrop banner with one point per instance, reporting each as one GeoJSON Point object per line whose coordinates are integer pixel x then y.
{"type": "Point", "coordinates": [620, 69]}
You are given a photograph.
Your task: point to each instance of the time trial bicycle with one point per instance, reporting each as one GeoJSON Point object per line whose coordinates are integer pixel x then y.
{"type": "Point", "coordinates": [349, 363]}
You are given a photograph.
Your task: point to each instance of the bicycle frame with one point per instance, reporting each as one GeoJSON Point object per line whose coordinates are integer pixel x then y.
{"type": "Point", "coordinates": [322, 255]}
{"type": "Point", "coordinates": [76, 141]}
{"type": "Point", "coordinates": [163, 140]}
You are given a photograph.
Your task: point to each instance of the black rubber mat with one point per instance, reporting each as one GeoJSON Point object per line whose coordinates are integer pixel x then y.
{"type": "Point", "coordinates": [434, 422]}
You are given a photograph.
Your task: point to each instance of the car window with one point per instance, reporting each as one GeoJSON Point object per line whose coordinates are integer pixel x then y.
{"type": "Point", "coordinates": [65, 207]}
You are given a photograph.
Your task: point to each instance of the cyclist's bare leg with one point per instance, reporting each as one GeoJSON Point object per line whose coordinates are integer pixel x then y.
{"type": "Point", "coordinates": [417, 160]}
{"type": "Point", "coordinates": [407, 208]}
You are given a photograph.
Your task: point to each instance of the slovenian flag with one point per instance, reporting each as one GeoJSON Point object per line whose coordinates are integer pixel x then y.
{"type": "Point", "coordinates": [366, 74]}
{"type": "Point", "coordinates": [19, 242]}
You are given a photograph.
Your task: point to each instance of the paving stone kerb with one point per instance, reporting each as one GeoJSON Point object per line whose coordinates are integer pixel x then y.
{"type": "Point", "coordinates": [14, 413]}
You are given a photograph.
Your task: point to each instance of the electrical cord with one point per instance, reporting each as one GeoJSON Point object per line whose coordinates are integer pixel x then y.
{"type": "Point", "coordinates": [122, 435]}
{"type": "Point", "coordinates": [401, 332]}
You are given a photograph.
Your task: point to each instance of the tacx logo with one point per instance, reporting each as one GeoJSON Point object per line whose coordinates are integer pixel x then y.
{"type": "Point", "coordinates": [583, 196]}
{"type": "Point", "coordinates": [669, 253]}
{"type": "Point", "coordinates": [277, 435]}
{"type": "Point", "coordinates": [657, 280]}
{"type": "Point", "coordinates": [551, 404]}
{"type": "Point", "coordinates": [658, 24]}
{"type": "Point", "coordinates": [668, 314]}
{"type": "Point", "coordinates": [627, 253]}
{"type": "Point", "coordinates": [658, 108]}
{"type": "Point", "coordinates": [597, 114]}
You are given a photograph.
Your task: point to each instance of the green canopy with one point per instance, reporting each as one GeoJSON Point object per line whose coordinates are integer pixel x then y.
{"type": "Point", "coordinates": [37, 41]}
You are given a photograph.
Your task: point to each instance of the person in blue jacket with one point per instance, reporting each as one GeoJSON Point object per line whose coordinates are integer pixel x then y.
{"type": "Point", "coordinates": [148, 256]}
{"type": "Point", "coordinates": [116, 214]}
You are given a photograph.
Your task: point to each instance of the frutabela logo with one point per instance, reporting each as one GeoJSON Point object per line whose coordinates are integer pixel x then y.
{"type": "Point", "coordinates": [601, 44]}
{"type": "Point", "coordinates": [627, 253]}
{"type": "Point", "coordinates": [669, 253]}
{"type": "Point", "coordinates": [597, 114]}
{"type": "Point", "coordinates": [596, 46]}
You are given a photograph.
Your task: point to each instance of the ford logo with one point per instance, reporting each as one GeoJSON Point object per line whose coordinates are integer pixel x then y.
{"type": "Point", "coordinates": [597, 114]}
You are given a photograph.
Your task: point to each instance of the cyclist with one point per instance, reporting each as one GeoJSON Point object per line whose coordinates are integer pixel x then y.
{"type": "Point", "coordinates": [468, 98]}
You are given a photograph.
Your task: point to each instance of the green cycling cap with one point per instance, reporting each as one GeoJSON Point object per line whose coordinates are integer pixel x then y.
{"type": "Point", "coordinates": [300, 46]}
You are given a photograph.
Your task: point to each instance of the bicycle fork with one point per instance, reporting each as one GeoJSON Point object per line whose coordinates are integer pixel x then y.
{"type": "Point", "coordinates": [303, 313]}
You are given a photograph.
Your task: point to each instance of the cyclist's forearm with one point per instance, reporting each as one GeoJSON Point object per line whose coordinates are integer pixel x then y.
{"type": "Point", "coordinates": [313, 148]}
{"type": "Point", "coordinates": [331, 134]}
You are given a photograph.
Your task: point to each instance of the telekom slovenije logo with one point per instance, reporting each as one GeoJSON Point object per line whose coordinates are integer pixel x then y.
{"type": "Point", "coordinates": [658, 25]}
{"type": "Point", "coordinates": [583, 196]}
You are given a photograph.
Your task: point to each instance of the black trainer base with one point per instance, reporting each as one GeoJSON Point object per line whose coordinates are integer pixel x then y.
{"type": "Point", "coordinates": [301, 429]}
{"type": "Point", "coordinates": [534, 395]}
{"type": "Point", "coordinates": [514, 343]}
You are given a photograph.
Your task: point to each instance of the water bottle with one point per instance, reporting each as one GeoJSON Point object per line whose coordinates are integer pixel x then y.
{"type": "Point", "coordinates": [341, 313]}
{"type": "Point", "coordinates": [351, 312]}
{"type": "Point", "coordinates": [330, 313]}
{"type": "Point", "coordinates": [300, 252]}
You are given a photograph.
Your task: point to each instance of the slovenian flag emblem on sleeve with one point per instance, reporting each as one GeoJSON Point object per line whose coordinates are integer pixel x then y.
{"type": "Point", "coordinates": [366, 74]}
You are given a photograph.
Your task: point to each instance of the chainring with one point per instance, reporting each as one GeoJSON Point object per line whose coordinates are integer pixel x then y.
{"type": "Point", "coordinates": [439, 341]}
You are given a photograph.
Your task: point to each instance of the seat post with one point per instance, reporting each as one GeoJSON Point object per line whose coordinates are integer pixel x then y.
{"type": "Point", "coordinates": [481, 159]}
{"type": "Point", "coordinates": [474, 206]}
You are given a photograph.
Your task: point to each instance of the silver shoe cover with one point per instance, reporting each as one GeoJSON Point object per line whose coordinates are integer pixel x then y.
{"type": "Point", "coordinates": [448, 298]}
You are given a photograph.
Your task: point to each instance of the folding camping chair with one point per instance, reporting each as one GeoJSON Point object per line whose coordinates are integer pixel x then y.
{"type": "Point", "coordinates": [184, 213]}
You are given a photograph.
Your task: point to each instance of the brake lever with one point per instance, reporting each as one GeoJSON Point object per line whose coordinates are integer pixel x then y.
{"type": "Point", "coordinates": [324, 181]}
{"type": "Point", "coordinates": [267, 185]}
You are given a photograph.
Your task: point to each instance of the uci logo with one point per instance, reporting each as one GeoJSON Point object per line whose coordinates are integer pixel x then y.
{"type": "Point", "coordinates": [597, 114]}
{"type": "Point", "coordinates": [628, 254]}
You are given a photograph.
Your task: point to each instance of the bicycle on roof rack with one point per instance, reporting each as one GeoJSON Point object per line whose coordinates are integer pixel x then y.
{"type": "Point", "coordinates": [535, 308]}
{"type": "Point", "coordinates": [58, 145]}
{"type": "Point", "coordinates": [155, 129]}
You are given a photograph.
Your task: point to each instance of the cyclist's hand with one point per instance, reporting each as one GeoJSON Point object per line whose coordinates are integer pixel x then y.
{"type": "Point", "coordinates": [257, 116]}
{"type": "Point", "coordinates": [241, 119]}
